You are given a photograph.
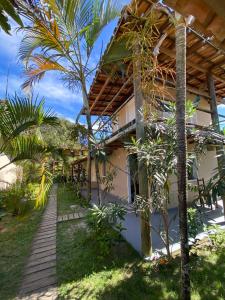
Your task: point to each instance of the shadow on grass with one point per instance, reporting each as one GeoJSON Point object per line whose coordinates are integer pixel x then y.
{"type": "Point", "coordinates": [84, 274]}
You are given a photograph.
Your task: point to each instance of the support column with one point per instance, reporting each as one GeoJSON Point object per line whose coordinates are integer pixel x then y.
{"type": "Point", "coordinates": [182, 153]}
{"type": "Point", "coordinates": [216, 125]}
{"type": "Point", "coordinates": [146, 245]}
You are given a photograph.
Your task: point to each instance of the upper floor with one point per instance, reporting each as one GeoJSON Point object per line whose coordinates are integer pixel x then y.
{"type": "Point", "coordinates": [113, 83]}
{"type": "Point", "coordinates": [126, 113]}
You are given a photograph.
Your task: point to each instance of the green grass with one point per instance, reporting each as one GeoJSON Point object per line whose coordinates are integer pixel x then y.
{"type": "Point", "coordinates": [66, 197]}
{"type": "Point", "coordinates": [84, 274]}
{"type": "Point", "coordinates": [16, 236]}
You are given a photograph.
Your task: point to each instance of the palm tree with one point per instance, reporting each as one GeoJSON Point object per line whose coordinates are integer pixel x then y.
{"type": "Point", "coordinates": [21, 119]}
{"type": "Point", "coordinates": [181, 153]}
{"type": "Point", "coordinates": [61, 38]}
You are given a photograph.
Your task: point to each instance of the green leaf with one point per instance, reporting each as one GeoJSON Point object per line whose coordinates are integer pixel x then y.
{"type": "Point", "coordinates": [7, 7]}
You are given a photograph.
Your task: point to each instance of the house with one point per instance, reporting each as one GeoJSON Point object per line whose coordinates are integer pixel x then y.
{"type": "Point", "coordinates": [113, 96]}
{"type": "Point", "coordinates": [9, 174]}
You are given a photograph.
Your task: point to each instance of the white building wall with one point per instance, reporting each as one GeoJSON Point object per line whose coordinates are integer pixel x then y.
{"type": "Point", "coordinates": [9, 174]}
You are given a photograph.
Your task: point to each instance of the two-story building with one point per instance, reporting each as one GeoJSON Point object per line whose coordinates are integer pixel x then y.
{"type": "Point", "coordinates": [113, 96]}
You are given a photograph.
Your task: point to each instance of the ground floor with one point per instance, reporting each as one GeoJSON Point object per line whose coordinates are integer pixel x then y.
{"type": "Point", "coordinates": [131, 223]}
{"type": "Point", "coordinates": [121, 168]}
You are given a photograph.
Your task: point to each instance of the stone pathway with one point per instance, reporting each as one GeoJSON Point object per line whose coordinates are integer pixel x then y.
{"type": "Point", "coordinates": [73, 216]}
{"type": "Point", "coordinates": [39, 281]}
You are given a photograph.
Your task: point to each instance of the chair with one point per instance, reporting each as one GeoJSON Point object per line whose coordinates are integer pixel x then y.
{"type": "Point", "coordinates": [204, 196]}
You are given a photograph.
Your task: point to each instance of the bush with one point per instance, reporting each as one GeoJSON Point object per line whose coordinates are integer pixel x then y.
{"type": "Point", "coordinates": [217, 236]}
{"type": "Point", "coordinates": [19, 198]}
{"type": "Point", "coordinates": [195, 224]}
{"type": "Point", "coordinates": [101, 221]}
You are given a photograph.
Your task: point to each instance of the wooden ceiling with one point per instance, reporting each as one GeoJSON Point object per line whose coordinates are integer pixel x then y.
{"type": "Point", "coordinates": [205, 54]}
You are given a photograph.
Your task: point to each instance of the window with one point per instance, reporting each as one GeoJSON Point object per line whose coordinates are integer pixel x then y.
{"type": "Point", "coordinates": [192, 168]}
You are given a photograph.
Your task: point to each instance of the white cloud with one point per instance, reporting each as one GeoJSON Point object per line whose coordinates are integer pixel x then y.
{"type": "Point", "coordinates": [50, 88]}
{"type": "Point", "coordinates": [54, 90]}
{"type": "Point", "coordinates": [10, 44]}
{"type": "Point", "coordinates": [221, 106]}
{"type": "Point", "coordinates": [64, 117]}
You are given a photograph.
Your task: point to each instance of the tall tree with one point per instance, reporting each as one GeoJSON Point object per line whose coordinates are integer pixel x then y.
{"type": "Point", "coordinates": [61, 37]}
{"type": "Point", "coordinates": [146, 246]}
{"type": "Point", "coordinates": [181, 152]}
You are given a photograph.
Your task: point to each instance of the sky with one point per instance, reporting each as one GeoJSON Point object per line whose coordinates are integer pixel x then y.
{"type": "Point", "coordinates": [64, 103]}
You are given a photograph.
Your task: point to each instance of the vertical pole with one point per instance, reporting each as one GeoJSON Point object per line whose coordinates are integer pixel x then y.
{"type": "Point", "coordinates": [213, 105]}
{"type": "Point", "coordinates": [142, 170]}
{"type": "Point", "coordinates": [181, 153]}
{"type": "Point", "coordinates": [216, 125]}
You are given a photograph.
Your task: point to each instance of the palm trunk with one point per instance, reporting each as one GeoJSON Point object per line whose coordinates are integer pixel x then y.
{"type": "Point", "coordinates": [165, 218]}
{"type": "Point", "coordinates": [181, 154]}
{"type": "Point", "coordinates": [98, 181]}
{"type": "Point", "coordinates": [90, 135]}
{"type": "Point", "coordinates": [215, 121]}
{"type": "Point", "coordinates": [146, 245]}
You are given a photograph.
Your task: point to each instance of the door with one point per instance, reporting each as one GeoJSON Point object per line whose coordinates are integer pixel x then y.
{"type": "Point", "coordinates": [133, 185]}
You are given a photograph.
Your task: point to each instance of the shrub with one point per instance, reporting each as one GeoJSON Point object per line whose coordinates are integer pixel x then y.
{"type": "Point", "coordinates": [217, 236]}
{"type": "Point", "coordinates": [195, 224]}
{"type": "Point", "coordinates": [19, 198]}
{"type": "Point", "coordinates": [101, 221]}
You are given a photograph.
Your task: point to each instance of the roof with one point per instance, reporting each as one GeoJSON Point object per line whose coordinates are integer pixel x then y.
{"type": "Point", "coordinates": [205, 53]}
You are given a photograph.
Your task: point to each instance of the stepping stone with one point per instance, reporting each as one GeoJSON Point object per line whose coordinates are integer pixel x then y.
{"type": "Point", "coordinates": [45, 238]}
{"type": "Point", "coordinates": [40, 267]}
{"type": "Point", "coordinates": [40, 274]}
{"type": "Point", "coordinates": [40, 283]}
{"type": "Point", "coordinates": [44, 249]}
{"type": "Point", "coordinates": [39, 255]}
{"type": "Point", "coordinates": [41, 243]}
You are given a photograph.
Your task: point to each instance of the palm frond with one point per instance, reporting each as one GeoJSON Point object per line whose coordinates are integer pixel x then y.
{"type": "Point", "coordinates": [40, 65]}
{"type": "Point", "coordinates": [7, 8]}
{"type": "Point", "coordinates": [22, 114]}
{"type": "Point", "coordinates": [45, 184]}
{"type": "Point", "coordinates": [102, 13]}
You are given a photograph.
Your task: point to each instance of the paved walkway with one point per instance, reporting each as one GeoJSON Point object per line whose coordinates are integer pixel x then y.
{"type": "Point", "coordinates": [72, 216]}
{"type": "Point", "coordinates": [39, 280]}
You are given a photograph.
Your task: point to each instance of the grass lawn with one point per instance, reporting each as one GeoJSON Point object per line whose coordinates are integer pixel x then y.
{"type": "Point", "coordinates": [16, 236]}
{"type": "Point", "coordinates": [84, 274]}
{"type": "Point", "coordinates": [66, 197]}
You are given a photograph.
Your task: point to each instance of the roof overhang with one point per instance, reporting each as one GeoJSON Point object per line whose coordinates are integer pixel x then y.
{"type": "Point", "coordinates": [205, 53]}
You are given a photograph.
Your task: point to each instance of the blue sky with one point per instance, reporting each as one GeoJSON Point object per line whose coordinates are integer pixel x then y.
{"type": "Point", "coordinates": [64, 102]}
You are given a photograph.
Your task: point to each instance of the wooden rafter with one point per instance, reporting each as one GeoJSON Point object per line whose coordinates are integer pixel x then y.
{"type": "Point", "coordinates": [195, 66]}
{"type": "Point", "coordinates": [101, 92]}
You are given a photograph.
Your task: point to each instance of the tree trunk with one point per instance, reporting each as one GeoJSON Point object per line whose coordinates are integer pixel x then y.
{"type": "Point", "coordinates": [98, 181]}
{"type": "Point", "coordinates": [146, 245]}
{"type": "Point", "coordinates": [165, 217]}
{"type": "Point", "coordinates": [216, 125]}
{"type": "Point", "coordinates": [90, 136]}
{"type": "Point", "coordinates": [181, 154]}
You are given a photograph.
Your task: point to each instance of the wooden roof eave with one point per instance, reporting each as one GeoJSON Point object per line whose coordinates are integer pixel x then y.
{"type": "Point", "coordinates": [192, 56]}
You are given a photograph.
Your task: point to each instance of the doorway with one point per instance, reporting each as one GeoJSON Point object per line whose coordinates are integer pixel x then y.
{"type": "Point", "coordinates": [133, 185]}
